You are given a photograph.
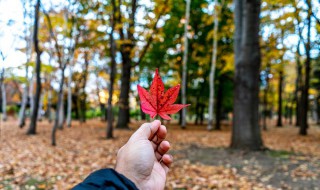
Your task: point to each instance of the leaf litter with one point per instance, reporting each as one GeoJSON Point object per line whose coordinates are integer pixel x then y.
{"type": "Point", "coordinates": [201, 158]}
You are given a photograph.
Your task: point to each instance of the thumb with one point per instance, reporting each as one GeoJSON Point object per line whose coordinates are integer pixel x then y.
{"type": "Point", "coordinates": [146, 131]}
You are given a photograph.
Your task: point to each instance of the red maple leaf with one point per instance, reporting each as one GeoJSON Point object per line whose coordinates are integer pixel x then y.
{"type": "Point", "coordinates": [158, 102]}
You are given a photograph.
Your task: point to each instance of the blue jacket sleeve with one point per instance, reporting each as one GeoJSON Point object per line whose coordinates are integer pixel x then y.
{"type": "Point", "coordinates": [106, 179]}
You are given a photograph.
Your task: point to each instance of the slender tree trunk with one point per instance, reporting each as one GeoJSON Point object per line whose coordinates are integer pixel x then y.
{"type": "Point", "coordinates": [197, 111]}
{"type": "Point", "coordinates": [83, 95]}
{"type": "Point", "coordinates": [101, 105]}
{"type": "Point", "coordinates": [246, 131]}
{"type": "Point", "coordinates": [69, 98]}
{"type": "Point", "coordinates": [265, 104]}
{"type": "Point", "coordinates": [315, 109]}
{"type": "Point", "coordinates": [76, 105]}
{"type": "Point", "coordinates": [49, 104]}
{"type": "Point", "coordinates": [298, 85]}
{"type": "Point", "coordinates": [143, 115]}
{"type": "Point", "coordinates": [318, 109]}
{"type": "Point", "coordinates": [305, 89]}
{"type": "Point", "coordinates": [31, 94]}
{"type": "Point", "coordinates": [109, 131]}
{"type": "Point", "coordinates": [219, 105]}
{"type": "Point", "coordinates": [28, 40]}
{"type": "Point", "coordinates": [22, 111]}
{"type": "Point", "coordinates": [33, 123]}
{"type": "Point", "coordinates": [213, 66]}
{"type": "Point", "coordinates": [59, 109]}
{"type": "Point", "coordinates": [279, 122]}
{"type": "Point", "coordinates": [202, 106]}
{"type": "Point", "coordinates": [39, 117]}
{"type": "Point", "coordinates": [4, 100]}
{"type": "Point", "coordinates": [290, 115]}
{"type": "Point", "coordinates": [61, 114]}
{"type": "Point", "coordinates": [1, 80]}
{"type": "Point", "coordinates": [184, 65]}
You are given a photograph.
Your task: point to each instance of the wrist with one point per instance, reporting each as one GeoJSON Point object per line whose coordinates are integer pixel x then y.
{"type": "Point", "coordinates": [128, 175]}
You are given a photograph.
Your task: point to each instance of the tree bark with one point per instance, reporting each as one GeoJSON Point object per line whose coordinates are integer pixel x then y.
{"type": "Point", "coordinates": [83, 95]}
{"type": "Point", "coordinates": [318, 109]}
{"type": "Point", "coordinates": [213, 67]}
{"type": "Point", "coordinates": [4, 97]}
{"type": "Point", "coordinates": [279, 122]}
{"type": "Point", "coordinates": [184, 65]}
{"type": "Point", "coordinates": [22, 111]}
{"type": "Point", "coordinates": [49, 104]}
{"type": "Point", "coordinates": [196, 122]}
{"type": "Point", "coordinates": [246, 131]}
{"type": "Point", "coordinates": [124, 114]}
{"type": "Point", "coordinates": [33, 123]}
{"type": "Point", "coordinates": [109, 132]}
{"type": "Point", "coordinates": [219, 105]}
{"type": "Point", "coordinates": [39, 117]}
{"type": "Point", "coordinates": [305, 89]}
{"type": "Point", "coordinates": [69, 98]}
{"type": "Point", "coordinates": [31, 94]}
{"type": "Point", "coordinates": [265, 101]}
{"type": "Point", "coordinates": [298, 84]}
{"type": "Point", "coordinates": [202, 106]}
{"type": "Point", "coordinates": [59, 109]}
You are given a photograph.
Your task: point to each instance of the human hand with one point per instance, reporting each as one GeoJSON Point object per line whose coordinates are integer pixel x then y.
{"type": "Point", "coordinates": [143, 158]}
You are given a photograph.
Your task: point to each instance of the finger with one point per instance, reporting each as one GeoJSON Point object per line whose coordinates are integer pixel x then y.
{"type": "Point", "coordinates": [159, 136]}
{"type": "Point", "coordinates": [147, 130]}
{"type": "Point", "coordinates": [162, 149]}
{"type": "Point", "coordinates": [166, 162]}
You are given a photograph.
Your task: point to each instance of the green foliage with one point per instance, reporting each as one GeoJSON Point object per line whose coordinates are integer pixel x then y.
{"type": "Point", "coordinates": [280, 154]}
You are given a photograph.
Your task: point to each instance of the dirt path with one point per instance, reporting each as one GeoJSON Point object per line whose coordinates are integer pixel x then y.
{"type": "Point", "coordinates": [280, 169]}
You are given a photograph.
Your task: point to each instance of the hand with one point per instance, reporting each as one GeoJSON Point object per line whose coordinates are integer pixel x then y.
{"type": "Point", "coordinates": [143, 158]}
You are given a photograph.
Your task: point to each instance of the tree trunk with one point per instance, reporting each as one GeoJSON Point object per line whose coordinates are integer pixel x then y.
{"type": "Point", "coordinates": [76, 105]}
{"type": "Point", "coordinates": [143, 115]}
{"type": "Point", "coordinates": [279, 122]}
{"type": "Point", "coordinates": [4, 99]}
{"type": "Point", "coordinates": [184, 65]}
{"type": "Point", "coordinates": [219, 105]}
{"type": "Point", "coordinates": [109, 132]}
{"type": "Point", "coordinates": [202, 106]}
{"type": "Point", "coordinates": [49, 104]}
{"type": "Point", "coordinates": [318, 109]}
{"type": "Point", "coordinates": [246, 131]}
{"type": "Point", "coordinates": [298, 84]}
{"type": "Point", "coordinates": [61, 114]}
{"type": "Point", "coordinates": [197, 111]}
{"type": "Point", "coordinates": [124, 114]}
{"type": "Point", "coordinates": [265, 103]}
{"type": "Point", "coordinates": [39, 117]}
{"type": "Point", "coordinates": [59, 109]}
{"type": "Point", "coordinates": [69, 114]}
{"type": "Point", "coordinates": [213, 66]}
{"type": "Point", "coordinates": [22, 111]}
{"type": "Point", "coordinates": [83, 95]}
{"type": "Point", "coordinates": [305, 89]}
{"type": "Point", "coordinates": [34, 115]}
{"type": "Point", "coordinates": [31, 94]}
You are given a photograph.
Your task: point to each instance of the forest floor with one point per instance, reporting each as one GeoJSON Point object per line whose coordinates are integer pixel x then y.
{"type": "Point", "coordinates": [201, 158]}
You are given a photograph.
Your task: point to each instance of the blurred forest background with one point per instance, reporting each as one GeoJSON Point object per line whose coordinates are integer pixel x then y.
{"type": "Point", "coordinates": [250, 70]}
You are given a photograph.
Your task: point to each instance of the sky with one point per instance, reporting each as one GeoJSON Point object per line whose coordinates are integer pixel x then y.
{"type": "Point", "coordinates": [11, 11]}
